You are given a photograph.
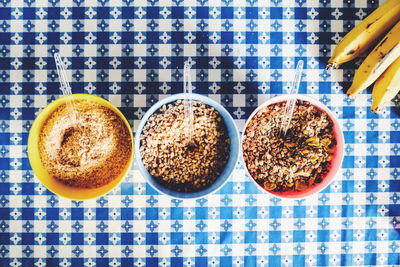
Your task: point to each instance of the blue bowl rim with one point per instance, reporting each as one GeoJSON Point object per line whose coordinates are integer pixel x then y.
{"type": "Point", "coordinates": [229, 167]}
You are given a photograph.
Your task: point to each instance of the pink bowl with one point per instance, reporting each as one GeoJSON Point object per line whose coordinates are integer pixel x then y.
{"type": "Point", "coordinates": [337, 158]}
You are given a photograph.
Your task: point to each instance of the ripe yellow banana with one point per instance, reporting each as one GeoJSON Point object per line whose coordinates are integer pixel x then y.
{"type": "Point", "coordinates": [384, 54]}
{"type": "Point", "coordinates": [362, 36]}
{"type": "Point", "coordinates": [387, 86]}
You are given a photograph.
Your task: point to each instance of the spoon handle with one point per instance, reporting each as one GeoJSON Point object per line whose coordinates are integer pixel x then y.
{"type": "Point", "coordinates": [65, 88]}
{"type": "Point", "coordinates": [291, 102]}
{"type": "Point", "coordinates": [188, 106]}
{"type": "Point", "coordinates": [64, 85]}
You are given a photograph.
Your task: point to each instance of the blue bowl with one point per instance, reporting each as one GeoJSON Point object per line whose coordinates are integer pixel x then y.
{"type": "Point", "coordinates": [233, 156]}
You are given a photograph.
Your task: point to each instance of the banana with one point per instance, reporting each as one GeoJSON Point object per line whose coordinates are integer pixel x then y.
{"type": "Point", "coordinates": [362, 36]}
{"type": "Point", "coordinates": [387, 51]}
{"type": "Point", "coordinates": [387, 86]}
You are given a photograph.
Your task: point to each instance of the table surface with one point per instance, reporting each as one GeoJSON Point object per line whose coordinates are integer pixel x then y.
{"type": "Point", "coordinates": [242, 53]}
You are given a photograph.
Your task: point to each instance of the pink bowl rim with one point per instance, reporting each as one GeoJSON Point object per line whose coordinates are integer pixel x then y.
{"type": "Point", "coordinates": [336, 161]}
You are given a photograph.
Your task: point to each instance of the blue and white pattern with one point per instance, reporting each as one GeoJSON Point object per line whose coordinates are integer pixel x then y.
{"type": "Point", "coordinates": [242, 53]}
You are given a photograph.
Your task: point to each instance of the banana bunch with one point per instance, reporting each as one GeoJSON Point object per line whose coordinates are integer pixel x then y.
{"type": "Point", "coordinates": [383, 63]}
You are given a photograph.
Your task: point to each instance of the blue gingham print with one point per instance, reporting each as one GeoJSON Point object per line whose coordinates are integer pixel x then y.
{"type": "Point", "coordinates": [132, 52]}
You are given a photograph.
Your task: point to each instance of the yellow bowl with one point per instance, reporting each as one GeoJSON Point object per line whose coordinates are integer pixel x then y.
{"type": "Point", "coordinates": [41, 173]}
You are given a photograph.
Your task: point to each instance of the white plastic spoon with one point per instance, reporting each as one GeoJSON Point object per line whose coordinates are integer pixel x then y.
{"type": "Point", "coordinates": [64, 84]}
{"type": "Point", "coordinates": [188, 107]}
{"type": "Point", "coordinates": [291, 102]}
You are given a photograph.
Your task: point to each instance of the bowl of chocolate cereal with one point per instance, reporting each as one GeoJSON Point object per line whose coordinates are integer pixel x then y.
{"type": "Point", "coordinates": [183, 166]}
{"type": "Point", "coordinates": [80, 146]}
{"type": "Point", "coordinates": [301, 163]}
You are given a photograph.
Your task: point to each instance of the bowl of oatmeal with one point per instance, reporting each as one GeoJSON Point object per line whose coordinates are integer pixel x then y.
{"type": "Point", "coordinates": [303, 162]}
{"type": "Point", "coordinates": [80, 146]}
{"type": "Point", "coordinates": [182, 165]}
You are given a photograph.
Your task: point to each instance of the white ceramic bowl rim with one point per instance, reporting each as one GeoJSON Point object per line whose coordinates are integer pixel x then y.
{"type": "Point", "coordinates": [313, 101]}
{"type": "Point", "coordinates": [233, 155]}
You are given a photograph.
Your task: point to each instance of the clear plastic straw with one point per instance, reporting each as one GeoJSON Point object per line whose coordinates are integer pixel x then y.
{"type": "Point", "coordinates": [188, 107]}
{"type": "Point", "coordinates": [291, 102]}
{"type": "Point", "coordinates": [64, 84]}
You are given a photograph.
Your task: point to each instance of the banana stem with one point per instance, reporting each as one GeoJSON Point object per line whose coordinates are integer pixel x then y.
{"type": "Point", "coordinates": [329, 66]}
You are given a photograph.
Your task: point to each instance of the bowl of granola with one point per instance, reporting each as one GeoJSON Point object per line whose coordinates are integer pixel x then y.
{"type": "Point", "coordinates": [183, 166]}
{"type": "Point", "coordinates": [303, 162]}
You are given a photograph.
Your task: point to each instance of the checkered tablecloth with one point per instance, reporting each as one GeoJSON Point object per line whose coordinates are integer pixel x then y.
{"type": "Point", "coordinates": [242, 53]}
